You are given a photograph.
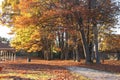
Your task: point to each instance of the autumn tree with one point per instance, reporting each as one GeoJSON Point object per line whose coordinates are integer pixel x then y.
{"type": "Point", "coordinates": [29, 28]}
{"type": "Point", "coordinates": [111, 43]}
{"type": "Point", "coordinates": [76, 14]}
{"type": "Point", "coordinates": [53, 21]}
{"type": "Point", "coordinates": [105, 13]}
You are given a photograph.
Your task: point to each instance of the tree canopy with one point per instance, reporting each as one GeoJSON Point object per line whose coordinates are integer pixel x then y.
{"type": "Point", "coordinates": [61, 24]}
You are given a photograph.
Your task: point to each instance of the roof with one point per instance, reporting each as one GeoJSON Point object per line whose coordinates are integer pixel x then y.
{"type": "Point", "coordinates": [5, 46]}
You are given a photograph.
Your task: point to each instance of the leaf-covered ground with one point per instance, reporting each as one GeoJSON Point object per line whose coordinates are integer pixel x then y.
{"type": "Point", "coordinates": [37, 70]}
{"type": "Point", "coordinates": [49, 70]}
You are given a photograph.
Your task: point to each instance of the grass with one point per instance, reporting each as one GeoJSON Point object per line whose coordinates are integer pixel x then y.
{"type": "Point", "coordinates": [24, 75]}
{"type": "Point", "coordinates": [50, 70]}
{"type": "Point", "coordinates": [35, 75]}
{"type": "Point", "coordinates": [79, 77]}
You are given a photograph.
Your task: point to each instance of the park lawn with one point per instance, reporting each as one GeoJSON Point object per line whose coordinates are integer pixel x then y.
{"type": "Point", "coordinates": [38, 70]}
{"type": "Point", "coordinates": [51, 70]}
{"type": "Point", "coordinates": [25, 75]}
{"type": "Point", "coordinates": [39, 76]}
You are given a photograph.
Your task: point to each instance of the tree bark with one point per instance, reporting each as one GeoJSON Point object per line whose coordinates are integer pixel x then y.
{"type": "Point", "coordinates": [85, 46]}
{"type": "Point", "coordinates": [62, 47]}
{"type": "Point", "coordinates": [74, 55]}
{"type": "Point", "coordinates": [83, 38]}
{"type": "Point", "coordinates": [77, 55]}
{"type": "Point", "coordinates": [66, 45]}
{"type": "Point", "coordinates": [118, 55]}
{"type": "Point", "coordinates": [95, 32]}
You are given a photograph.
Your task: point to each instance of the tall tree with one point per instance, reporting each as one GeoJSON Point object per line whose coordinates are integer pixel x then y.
{"type": "Point", "coordinates": [58, 18]}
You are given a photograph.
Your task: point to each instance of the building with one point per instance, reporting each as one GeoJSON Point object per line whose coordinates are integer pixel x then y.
{"type": "Point", "coordinates": [6, 52]}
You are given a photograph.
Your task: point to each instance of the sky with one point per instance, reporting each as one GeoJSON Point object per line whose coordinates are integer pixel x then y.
{"type": "Point", "coordinates": [4, 30]}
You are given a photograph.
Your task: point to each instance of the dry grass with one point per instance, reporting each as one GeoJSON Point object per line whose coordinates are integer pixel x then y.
{"type": "Point", "coordinates": [49, 70]}
{"type": "Point", "coordinates": [38, 70]}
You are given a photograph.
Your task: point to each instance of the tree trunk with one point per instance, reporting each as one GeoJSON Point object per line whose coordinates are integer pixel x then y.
{"type": "Point", "coordinates": [95, 32]}
{"type": "Point", "coordinates": [118, 55]}
{"type": "Point", "coordinates": [77, 55]}
{"type": "Point", "coordinates": [91, 51]}
{"type": "Point", "coordinates": [83, 38]}
{"type": "Point", "coordinates": [66, 46]}
{"type": "Point", "coordinates": [66, 55]}
{"type": "Point", "coordinates": [80, 50]}
{"type": "Point", "coordinates": [74, 55]}
{"type": "Point", "coordinates": [85, 46]}
{"type": "Point", "coordinates": [29, 57]}
{"type": "Point", "coordinates": [62, 47]}
{"type": "Point", "coordinates": [51, 54]}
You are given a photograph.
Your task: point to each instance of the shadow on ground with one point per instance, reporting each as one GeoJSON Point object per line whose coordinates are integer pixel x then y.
{"type": "Point", "coordinates": [35, 67]}
{"type": "Point", "coordinates": [14, 78]}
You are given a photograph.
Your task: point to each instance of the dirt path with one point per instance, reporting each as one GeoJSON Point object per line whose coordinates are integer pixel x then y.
{"type": "Point", "coordinates": [94, 74]}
